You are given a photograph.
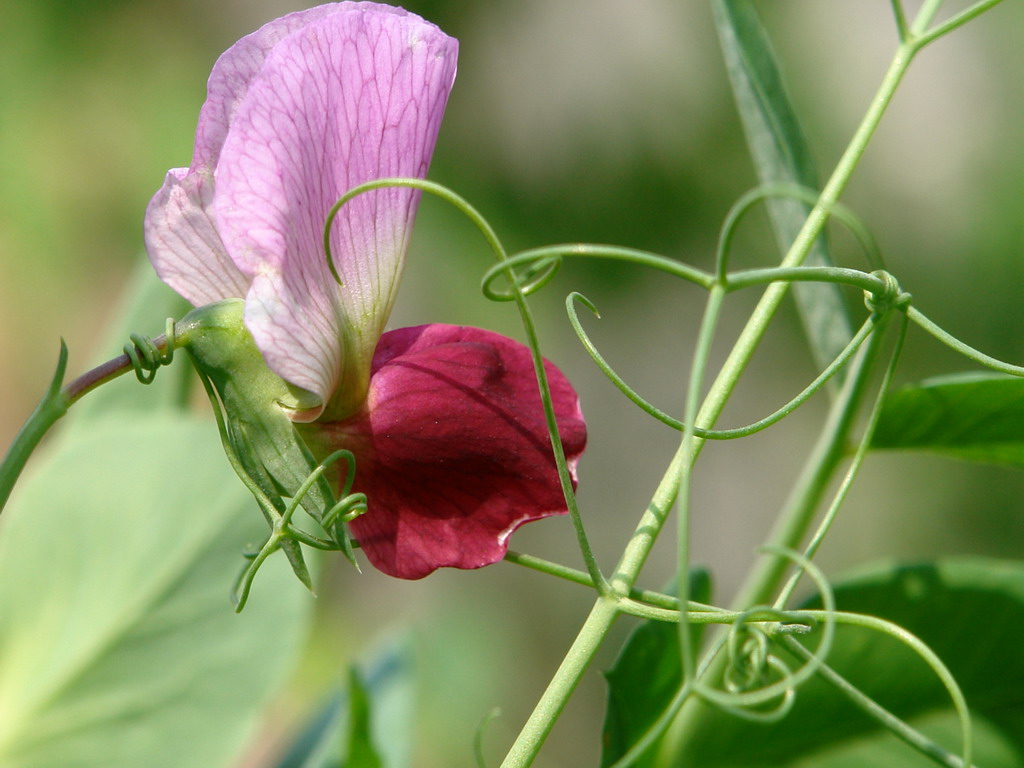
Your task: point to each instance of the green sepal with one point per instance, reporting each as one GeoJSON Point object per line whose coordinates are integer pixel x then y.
{"type": "Point", "coordinates": [255, 399]}
{"type": "Point", "coordinates": [252, 405]}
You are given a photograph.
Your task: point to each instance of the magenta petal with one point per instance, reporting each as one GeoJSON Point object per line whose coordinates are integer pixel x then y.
{"type": "Point", "coordinates": [453, 450]}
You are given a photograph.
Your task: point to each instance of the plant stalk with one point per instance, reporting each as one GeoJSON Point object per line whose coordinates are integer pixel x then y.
{"type": "Point", "coordinates": [533, 734]}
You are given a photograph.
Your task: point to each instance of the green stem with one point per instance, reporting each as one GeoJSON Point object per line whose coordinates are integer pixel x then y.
{"type": "Point", "coordinates": [576, 576]}
{"type": "Point", "coordinates": [956, 21]}
{"type": "Point", "coordinates": [927, 655]}
{"type": "Point", "coordinates": [790, 527]}
{"type": "Point", "coordinates": [763, 581]}
{"type": "Point", "coordinates": [804, 194]}
{"type": "Point", "coordinates": [964, 349]}
{"type": "Point", "coordinates": [53, 405]}
{"type": "Point", "coordinates": [701, 356]}
{"type": "Point", "coordinates": [901, 19]}
{"type": "Point", "coordinates": [798, 514]}
{"type": "Point", "coordinates": [841, 275]}
{"type": "Point", "coordinates": [595, 251]}
{"type": "Point", "coordinates": [531, 738]}
{"type": "Point", "coordinates": [812, 228]}
{"type": "Point", "coordinates": [753, 332]}
{"type": "Point", "coordinates": [533, 734]}
{"type": "Point", "coordinates": [898, 727]}
{"type": "Point", "coordinates": [564, 682]}
{"type": "Point", "coordinates": [925, 16]}
{"type": "Point", "coordinates": [104, 373]}
{"type": "Point", "coordinates": [855, 464]}
{"type": "Point", "coordinates": [796, 519]}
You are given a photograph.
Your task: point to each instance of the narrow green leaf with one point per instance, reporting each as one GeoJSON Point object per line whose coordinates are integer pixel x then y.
{"type": "Point", "coordinates": [118, 642]}
{"type": "Point", "coordinates": [390, 680]}
{"type": "Point", "coordinates": [975, 416]}
{"type": "Point", "coordinates": [318, 746]}
{"type": "Point", "coordinates": [781, 156]}
{"type": "Point", "coordinates": [52, 407]}
{"type": "Point", "coordinates": [644, 679]}
{"type": "Point", "coordinates": [970, 611]}
{"type": "Point", "coordinates": [372, 721]}
{"type": "Point", "coordinates": [361, 750]}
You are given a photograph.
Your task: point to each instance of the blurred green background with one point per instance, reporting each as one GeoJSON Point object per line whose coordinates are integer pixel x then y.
{"type": "Point", "coordinates": [571, 120]}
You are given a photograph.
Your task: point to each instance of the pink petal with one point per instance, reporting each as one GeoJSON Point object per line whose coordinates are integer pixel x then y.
{"type": "Point", "coordinates": [181, 237]}
{"type": "Point", "coordinates": [234, 71]}
{"type": "Point", "coordinates": [183, 243]}
{"type": "Point", "coordinates": [452, 450]}
{"type": "Point", "coordinates": [357, 95]}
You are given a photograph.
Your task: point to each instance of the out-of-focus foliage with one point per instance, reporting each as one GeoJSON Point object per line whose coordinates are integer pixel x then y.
{"type": "Point", "coordinates": [572, 120]}
{"type": "Point", "coordinates": [117, 642]}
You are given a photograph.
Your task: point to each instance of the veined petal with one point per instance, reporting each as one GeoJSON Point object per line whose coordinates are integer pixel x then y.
{"type": "Point", "coordinates": [356, 96]}
{"type": "Point", "coordinates": [183, 243]}
{"type": "Point", "coordinates": [232, 74]}
{"type": "Point", "coordinates": [452, 449]}
{"type": "Point", "coordinates": [181, 237]}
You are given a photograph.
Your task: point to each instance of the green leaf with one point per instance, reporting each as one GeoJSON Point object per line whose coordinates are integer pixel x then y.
{"type": "Point", "coordinates": [361, 751]}
{"type": "Point", "coordinates": [317, 745]}
{"type": "Point", "coordinates": [992, 749]}
{"type": "Point", "coordinates": [969, 611]}
{"type": "Point", "coordinates": [118, 642]}
{"type": "Point", "coordinates": [975, 416]}
{"type": "Point", "coordinates": [390, 680]}
{"type": "Point", "coordinates": [370, 726]}
{"type": "Point", "coordinates": [645, 677]}
{"type": "Point", "coordinates": [781, 156]}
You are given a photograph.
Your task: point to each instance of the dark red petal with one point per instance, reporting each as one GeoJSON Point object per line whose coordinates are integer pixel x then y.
{"type": "Point", "coordinates": [452, 449]}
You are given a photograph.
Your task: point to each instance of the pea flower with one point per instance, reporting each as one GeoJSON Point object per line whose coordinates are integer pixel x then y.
{"type": "Point", "coordinates": [445, 422]}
